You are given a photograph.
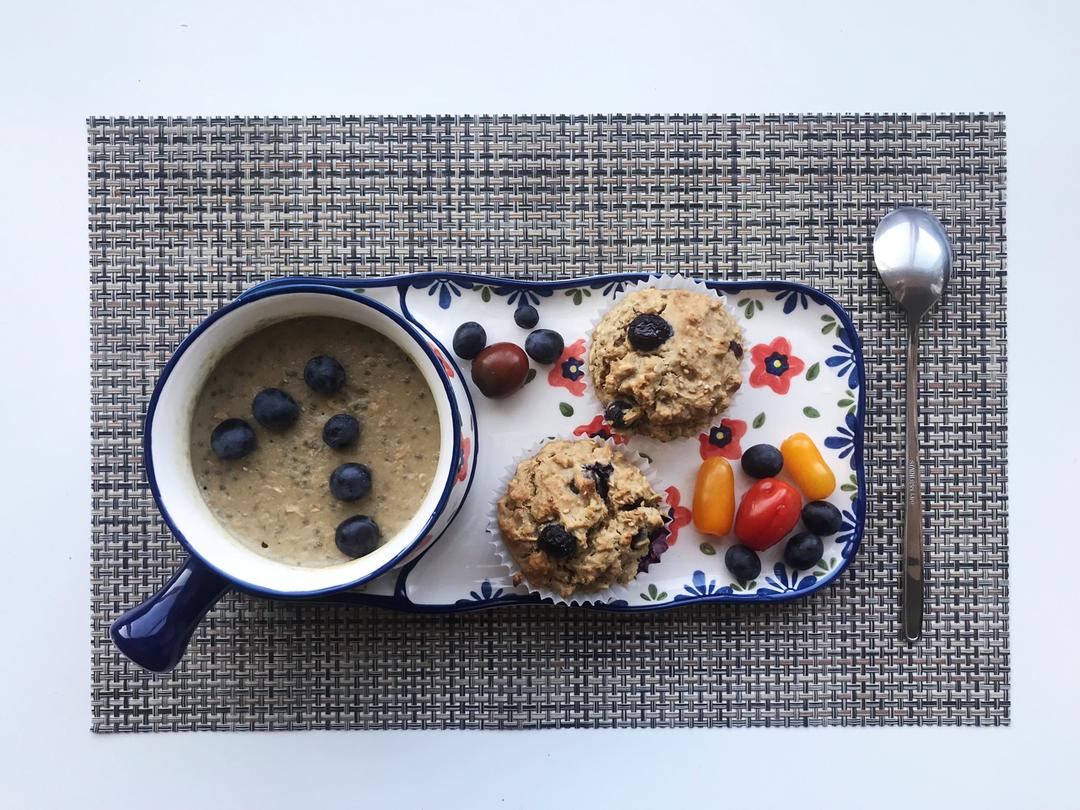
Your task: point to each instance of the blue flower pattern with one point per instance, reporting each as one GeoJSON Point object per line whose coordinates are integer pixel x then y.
{"type": "Point", "coordinates": [792, 299]}
{"type": "Point", "coordinates": [699, 586]}
{"type": "Point", "coordinates": [446, 289]}
{"type": "Point", "coordinates": [784, 581]}
{"type": "Point", "coordinates": [519, 296]}
{"type": "Point", "coordinates": [844, 441]}
{"type": "Point", "coordinates": [572, 369]}
{"type": "Point", "coordinates": [846, 535]}
{"type": "Point", "coordinates": [487, 593]}
{"type": "Point", "coordinates": [607, 288]}
{"type": "Point", "coordinates": [844, 360]}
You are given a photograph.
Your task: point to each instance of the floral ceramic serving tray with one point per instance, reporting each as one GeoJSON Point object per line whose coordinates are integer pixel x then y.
{"type": "Point", "coordinates": [803, 372]}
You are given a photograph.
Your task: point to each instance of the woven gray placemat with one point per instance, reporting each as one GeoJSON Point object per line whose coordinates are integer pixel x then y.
{"type": "Point", "coordinates": [186, 213]}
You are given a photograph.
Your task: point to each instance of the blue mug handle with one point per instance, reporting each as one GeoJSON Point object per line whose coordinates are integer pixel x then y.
{"type": "Point", "coordinates": [156, 633]}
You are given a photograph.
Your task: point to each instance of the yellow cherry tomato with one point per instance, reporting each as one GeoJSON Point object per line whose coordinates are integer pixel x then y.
{"type": "Point", "coordinates": [803, 462]}
{"type": "Point", "coordinates": [714, 497]}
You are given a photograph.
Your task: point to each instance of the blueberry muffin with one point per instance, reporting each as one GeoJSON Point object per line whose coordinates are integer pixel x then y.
{"type": "Point", "coordinates": [665, 362]}
{"type": "Point", "coordinates": [578, 516]}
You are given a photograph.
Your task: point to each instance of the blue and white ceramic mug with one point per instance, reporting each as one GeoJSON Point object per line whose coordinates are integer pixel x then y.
{"type": "Point", "coordinates": [155, 633]}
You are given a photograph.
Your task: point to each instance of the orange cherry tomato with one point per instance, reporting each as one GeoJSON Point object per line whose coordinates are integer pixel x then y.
{"type": "Point", "coordinates": [768, 511]}
{"type": "Point", "coordinates": [803, 462]}
{"type": "Point", "coordinates": [714, 497]}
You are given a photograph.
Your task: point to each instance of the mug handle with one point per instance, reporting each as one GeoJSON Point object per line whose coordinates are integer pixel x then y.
{"type": "Point", "coordinates": [156, 633]}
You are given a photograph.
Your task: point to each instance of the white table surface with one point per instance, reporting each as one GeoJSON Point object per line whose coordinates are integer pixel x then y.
{"type": "Point", "coordinates": [60, 64]}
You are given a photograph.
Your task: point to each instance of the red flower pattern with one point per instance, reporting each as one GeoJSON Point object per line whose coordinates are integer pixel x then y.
{"type": "Point", "coordinates": [569, 370]}
{"type": "Point", "coordinates": [775, 365]}
{"type": "Point", "coordinates": [463, 462]}
{"type": "Point", "coordinates": [723, 439]}
{"type": "Point", "coordinates": [680, 515]}
{"type": "Point", "coordinates": [599, 429]}
{"type": "Point", "coordinates": [449, 369]}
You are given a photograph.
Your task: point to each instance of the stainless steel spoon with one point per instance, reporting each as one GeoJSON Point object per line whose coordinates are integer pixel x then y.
{"type": "Point", "coordinates": [914, 259]}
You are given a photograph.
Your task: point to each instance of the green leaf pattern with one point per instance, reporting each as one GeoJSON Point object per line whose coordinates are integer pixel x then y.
{"type": "Point", "coordinates": [749, 306]}
{"type": "Point", "coordinates": [847, 401]}
{"type": "Point", "coordinates": [851, 486]}
{"type": "Point", "coordinates": [824, 567]}
{"type": "Point", "coordinates": [578, 294]}
{"type": "Point", "coordinates": [652, 594]}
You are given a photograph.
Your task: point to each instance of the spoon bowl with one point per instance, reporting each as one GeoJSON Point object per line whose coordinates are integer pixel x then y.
{"type": "Point", "coordinates": [913, 258]}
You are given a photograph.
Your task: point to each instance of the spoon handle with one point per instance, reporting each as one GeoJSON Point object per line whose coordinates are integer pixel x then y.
{"type": "Point", "coordinates": [913, 520]}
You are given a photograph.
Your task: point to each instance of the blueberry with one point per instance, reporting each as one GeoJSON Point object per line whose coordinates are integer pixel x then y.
{"type": "Point", "coordinates": [822, 518]}
{"type": "Point", "coordinates": [556, 542]}
{"type": "Point", "coordinates": [648, 332]}
{"type": "Point", "coordinates": [736, 349]}
{"type": "Point", "coordinates": [274, 409]}
{"type": "Point", "coordinates": [743, 563]}
{"type": "Point", "coordinates": [350, 482]}
{"type": "Point", "coordinates": [526, 316]}
{"type": "Point", "coordinates": [615, 413]}
{"type": "Point", "coordinates": [762, 461]}
{"type": "Point", "coordinates": [232, 439]}
{"type": "Point", "coordinates": [469, 340]}
{"type": "Point", "coordinates": [544, 345]}
{"type": "Point", "coordinates": [357, 536]}
{"type": "Point", "coordinates": [341, 431]}
{"type": "Point", "coordinates": [803, 550]}
{"type": "Point", "coordinates": [324, 374]}
{"type": "Point", "coordinates": [601, 474]}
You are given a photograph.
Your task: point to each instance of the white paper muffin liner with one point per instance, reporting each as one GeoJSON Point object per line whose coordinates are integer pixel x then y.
{"type": "Point", "coordinates": [613, 593]}
{"type": "Point", "coordinates": [658, 281]}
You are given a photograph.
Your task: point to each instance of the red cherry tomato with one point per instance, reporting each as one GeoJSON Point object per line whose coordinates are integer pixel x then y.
{"type": "Point", "coordinates": [500, 369]}
{"type": "Point", "coordinates": [768, 511]}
